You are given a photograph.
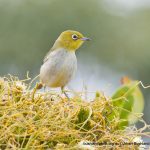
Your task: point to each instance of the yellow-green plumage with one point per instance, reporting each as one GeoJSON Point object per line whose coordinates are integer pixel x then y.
{"type": "Point", "coordinates": [60, 63]}
{"type": "Point", "coordinates": [65, 40]}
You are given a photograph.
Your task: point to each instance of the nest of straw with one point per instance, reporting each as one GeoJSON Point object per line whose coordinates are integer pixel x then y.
{"type": "Point", "coordinates": [30, 119]}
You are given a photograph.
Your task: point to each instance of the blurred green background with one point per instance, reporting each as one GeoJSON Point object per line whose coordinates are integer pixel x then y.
{"type": "Point", "coordinates": [119, 29]}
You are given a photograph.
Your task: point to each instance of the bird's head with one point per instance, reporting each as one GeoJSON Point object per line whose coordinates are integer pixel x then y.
{"type": "Point", "coordinates": [70, 40]}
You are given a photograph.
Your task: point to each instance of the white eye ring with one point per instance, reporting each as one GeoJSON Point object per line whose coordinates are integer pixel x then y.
{"type": "Point", "coordinates": [74, 37]}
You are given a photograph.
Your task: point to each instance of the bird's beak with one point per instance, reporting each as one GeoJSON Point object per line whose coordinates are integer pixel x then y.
{"type": "Point", "coordinates": [85, 39]}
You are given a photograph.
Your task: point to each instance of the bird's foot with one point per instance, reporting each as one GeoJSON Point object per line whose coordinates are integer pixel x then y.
{"type": "Point", "coordinates": [64, 92]}
{"type": "Point", "coordinates": [66, 95]}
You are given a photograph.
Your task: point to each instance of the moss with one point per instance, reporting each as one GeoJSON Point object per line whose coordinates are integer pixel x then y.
{"type": "Point", "coordinates": [82, 119]}
{"type": "Point", "coordinates": [29, 119]}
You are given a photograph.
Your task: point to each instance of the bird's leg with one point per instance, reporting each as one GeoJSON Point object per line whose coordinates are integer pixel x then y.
{"type": "Point", "coordinates": [44, 88]}
{"type": "Point", "coordinates": [64, 92]}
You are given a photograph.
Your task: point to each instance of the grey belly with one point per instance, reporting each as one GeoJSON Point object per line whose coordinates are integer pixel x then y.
{"type": "Point", "coordinates": [58, 72]}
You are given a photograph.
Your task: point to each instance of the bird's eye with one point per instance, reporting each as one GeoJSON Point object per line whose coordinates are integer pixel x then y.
{"type": "Point", "coordinates": [74, 37]}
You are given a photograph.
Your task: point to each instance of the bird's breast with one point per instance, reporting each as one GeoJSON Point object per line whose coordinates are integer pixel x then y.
{"type": "Point", "coordinates": [59, 68]}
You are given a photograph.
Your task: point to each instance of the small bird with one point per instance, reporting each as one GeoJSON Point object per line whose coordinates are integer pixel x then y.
{"type": "Point", "coordinates": [60, 63]}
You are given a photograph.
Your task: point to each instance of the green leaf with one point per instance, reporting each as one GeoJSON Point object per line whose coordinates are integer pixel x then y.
{"type": "Point", "coordinates": [129, 104]}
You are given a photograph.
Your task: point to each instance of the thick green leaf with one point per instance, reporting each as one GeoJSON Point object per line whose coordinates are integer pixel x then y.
{"type": "Point", "coordinates": [129, 103]}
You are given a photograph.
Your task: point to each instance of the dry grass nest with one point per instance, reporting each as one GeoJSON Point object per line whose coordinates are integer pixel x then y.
{"type": "Point", "coordinates": [32, 119]}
